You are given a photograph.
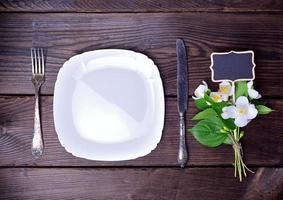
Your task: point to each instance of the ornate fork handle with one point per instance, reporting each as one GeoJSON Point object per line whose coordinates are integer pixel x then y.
{"type": "Point", "coordinates": [37, 141]}
{"type": "Point", "coordinates": [38, 65]}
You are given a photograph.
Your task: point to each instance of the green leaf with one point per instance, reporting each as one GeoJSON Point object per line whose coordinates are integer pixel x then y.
{"type": "Point", "coordinates": [241, 89]}
{"type": "Point", "coordinates": [227, 141]}
{"type": "Point", "coordinates": [229, 123]}
{"type": "Point", "coordinates": [209, 132]}
{"type": "Point", "coordinates": [257, 102]}
{"type": "Point", "coordinates": [201, 104]}
{"type": "Point", "coordinates": [219, 106]}
{"type": "Point", "coordinates": [263, 110]}
{"type": "Point", "coordinates": [208, 91]}
{"type": "Point", "coordinates": [208, 99]}
{"type": "Point", "coordinates": [209, 112]}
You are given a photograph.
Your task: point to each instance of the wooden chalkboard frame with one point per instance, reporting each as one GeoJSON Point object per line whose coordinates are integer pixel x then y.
{"type": "Point", "coordinates": [227, 53]}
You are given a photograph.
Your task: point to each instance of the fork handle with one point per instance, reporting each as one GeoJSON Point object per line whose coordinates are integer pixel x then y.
{"type": "Point", "coordinates": [37, 141]}
{"type": "Point", "coordinates": [182, 154]}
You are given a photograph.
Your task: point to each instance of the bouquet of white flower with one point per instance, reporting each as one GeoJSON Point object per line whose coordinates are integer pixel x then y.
{"type": "Point", "coordinates": [223, 113]}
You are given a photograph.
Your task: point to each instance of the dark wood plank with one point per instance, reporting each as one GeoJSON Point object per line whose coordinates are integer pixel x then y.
{"type": "Point", "coordinates": [266, 184]}
{"type": "Point", "coordinates": [262, 143]}
{"type": "Point", "coordinates": [139, 6]}
{"type": "Point", "coordinates": [116, 184]}
{"type": "Point", "coordinates": [64, 35]}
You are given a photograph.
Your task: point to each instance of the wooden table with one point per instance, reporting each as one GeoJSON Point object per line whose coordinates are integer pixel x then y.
{"type": "Point", "coordinates": [69, 27]}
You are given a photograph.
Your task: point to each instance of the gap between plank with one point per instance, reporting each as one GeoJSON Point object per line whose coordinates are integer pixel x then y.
{"type": "Point", "coordinates": [141, 167]}
{"type": "Point", "coordinates": [148, 12]}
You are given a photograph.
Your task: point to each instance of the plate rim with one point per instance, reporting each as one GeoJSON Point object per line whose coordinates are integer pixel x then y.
{"type": "Point", "coordinates": [159, 126]}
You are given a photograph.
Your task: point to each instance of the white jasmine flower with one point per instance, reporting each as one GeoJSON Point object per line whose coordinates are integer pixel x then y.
{"type": "Point", "coordinates": [228, 112]}
{"type": "Point", "coordinates": [226, 90]}
{"type": "Point", "coordinates": [243, 112]}
{"type": "Point", "coordinates": [252, 92]}
{"type": "Point", "coordinates": [201, 89]}
{"type": "Point", "coordinates": [216, 96]}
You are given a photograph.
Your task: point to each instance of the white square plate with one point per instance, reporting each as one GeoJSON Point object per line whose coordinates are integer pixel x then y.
{"type": "Point", "coordinates": [109, 105]}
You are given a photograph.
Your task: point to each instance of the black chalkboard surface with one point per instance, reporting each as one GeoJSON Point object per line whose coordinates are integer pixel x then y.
{"type": "Point", "coordinates": [232, 66]}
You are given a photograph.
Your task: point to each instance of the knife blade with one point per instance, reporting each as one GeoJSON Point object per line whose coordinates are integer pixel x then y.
{"type": "Point", "coordinates": [182, 75]}
{"type": "Point", "coordinates": [182, 98]}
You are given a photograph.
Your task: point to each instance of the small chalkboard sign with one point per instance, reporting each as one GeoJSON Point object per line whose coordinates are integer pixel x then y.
{"type": "Point", "coordinates": [232, 66]}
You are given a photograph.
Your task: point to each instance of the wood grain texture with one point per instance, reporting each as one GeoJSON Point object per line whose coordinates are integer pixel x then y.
{"type": "Point", "coordinates": [266, 184]}
{"type": "Point", "coordinates": [138, 6]}
{"type": "Point", "coordinates": [262, 144]}
{"type": "Point", "coordinates": [64, 35]}
{"type": "Point", "coordinates": [75, 27]}
{"type": "Point", "coordinates": [120, 184]}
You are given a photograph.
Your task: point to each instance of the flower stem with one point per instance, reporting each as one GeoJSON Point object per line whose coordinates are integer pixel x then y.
{"type": "Point", "coordinates": [235, 159]}
{"type": "Point", "coordinates": [234, 93]}
{"type": "Point", "coordinates": [239, 165]}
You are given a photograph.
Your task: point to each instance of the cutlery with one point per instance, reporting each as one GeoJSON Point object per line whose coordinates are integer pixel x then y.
{"type": "Point", "coordinates": [182, 98]}
{"type": "Point", "coordinates": [37, 60]}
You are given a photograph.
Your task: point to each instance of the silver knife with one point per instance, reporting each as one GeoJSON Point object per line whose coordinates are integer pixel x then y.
{"type": "Point", "coordinates": [182, 98]}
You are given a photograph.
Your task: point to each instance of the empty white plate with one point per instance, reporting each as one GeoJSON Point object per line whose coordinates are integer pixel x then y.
{"type": "Point", "coordinates": [109, 105]}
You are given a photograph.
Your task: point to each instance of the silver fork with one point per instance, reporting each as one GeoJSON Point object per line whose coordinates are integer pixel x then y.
{"type": "Point", "coordinates": [37, 60]}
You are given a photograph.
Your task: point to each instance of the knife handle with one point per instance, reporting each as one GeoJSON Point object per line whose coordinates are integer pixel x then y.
{"type": "Point", "coordinates": [182, 155]}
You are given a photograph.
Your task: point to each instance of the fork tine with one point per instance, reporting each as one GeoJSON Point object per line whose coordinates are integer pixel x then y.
{"type": "Point", "coordinates": [35, 61]}
{"type": "Point", "coordinates": [42, 60]}
{"type": "Point", "coordinates": [39, 61]}
{"type": "Point", "coordinates": [32, 60]}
